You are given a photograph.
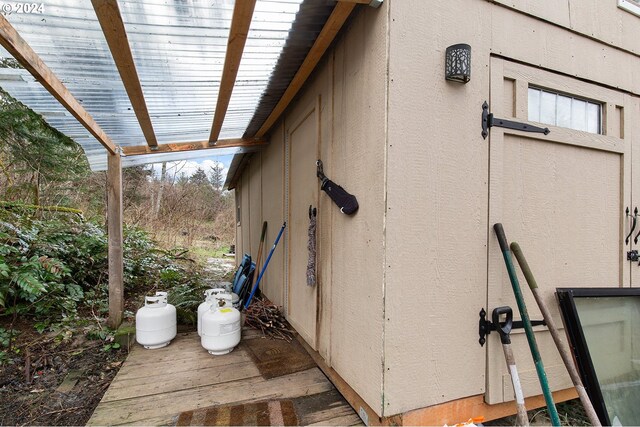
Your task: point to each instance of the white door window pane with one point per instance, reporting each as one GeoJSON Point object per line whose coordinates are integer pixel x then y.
{"type": "Point", "coordinates": [593, 118]}
{"type": "Point", "coordinates": [563, 111]}
{"type": "Point", "coordinates": [548, 108]}
{"type": "Point", "coordinates": [578, 115]}
{"type": "Point", "coordinates": [534, 104]}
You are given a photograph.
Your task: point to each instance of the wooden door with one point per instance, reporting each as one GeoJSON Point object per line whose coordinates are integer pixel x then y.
{"type": "Point", "coordinates": [302, 137]}
{"type": "Point", "coordinates": [562, 198]}
{"type": "Point", "coordinates": [632, 132]}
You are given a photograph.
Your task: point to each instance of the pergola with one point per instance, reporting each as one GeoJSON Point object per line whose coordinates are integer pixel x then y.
{"type": "Point", "coordinates": [143, 81]}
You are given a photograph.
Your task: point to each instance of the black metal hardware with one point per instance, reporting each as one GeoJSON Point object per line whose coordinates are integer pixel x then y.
{"type": "Point", "coordinates": [488, 121]}
{"type": "Point", "coordinates": [312, 212]}
{"type": "Point", "coordinates": [320, 171]}
{"type": "Point", "coordinates": [634, 219]}
{"type": "Point", "coordinates": [518, 324]}
{"type": "Point", "coordinates": [504, 328]}
{"type": "Point", "coordinates": [635, 215]}
{"type": "Point", "coordinates": [486, 326]}
{"type": "Point", "coordinates": [633, 255]}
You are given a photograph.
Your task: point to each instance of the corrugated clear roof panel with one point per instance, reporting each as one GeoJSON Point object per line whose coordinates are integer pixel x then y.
{"type": "Point", "coordinates": [270, 26]}
{"type": "Point", "coordinates": [179, 49]}
{"type": "Point", "coordinates": [68, 38]}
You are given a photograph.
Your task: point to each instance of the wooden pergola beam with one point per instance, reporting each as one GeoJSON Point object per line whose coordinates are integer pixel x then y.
{"type": "Point", "coordinates": [192, 146]}
{"type": "Point", "coordinates": [331, 28]}
{"type": "Point", "coordinates": [22, 52]}
{"type": "Point", "coordinates": [242, 14]}
{"type": "Point", "coordinates": [114, 231]}
{"type": "Point", "coordinates": [110, 19]}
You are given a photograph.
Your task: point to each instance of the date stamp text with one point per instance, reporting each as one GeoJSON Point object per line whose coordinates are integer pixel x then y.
{"type": "Point", "coordinates": [11, 8]}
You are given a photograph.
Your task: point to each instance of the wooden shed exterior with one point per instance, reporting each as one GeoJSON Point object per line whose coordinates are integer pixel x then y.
{"type": "Point", "coordinates": [401, 282]}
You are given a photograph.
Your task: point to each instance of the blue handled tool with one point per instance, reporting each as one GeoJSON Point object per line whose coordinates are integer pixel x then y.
{"type": "Point", "coordinates": [264, 267]}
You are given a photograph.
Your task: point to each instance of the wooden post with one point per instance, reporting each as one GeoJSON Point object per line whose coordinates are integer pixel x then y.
{"type": "Point", "coordinates": [114, 228]}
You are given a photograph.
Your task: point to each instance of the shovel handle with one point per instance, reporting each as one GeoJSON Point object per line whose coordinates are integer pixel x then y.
{"type": "Point", "coordinates": [503, 328]}
{"type": "Point", "coordinates": [264, 231]}
{"type": "Point", "coordinates": [502, 238]}
{"type": "Point", "coordinates": [524, 265]}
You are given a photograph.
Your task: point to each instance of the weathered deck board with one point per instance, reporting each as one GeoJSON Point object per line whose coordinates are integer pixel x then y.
{"type": "Point", "coordinates": [154, 386]}
{"type": "Point", "coordinates": [138, 370]}
{"type": "Point", "coordinates": [176, 381]}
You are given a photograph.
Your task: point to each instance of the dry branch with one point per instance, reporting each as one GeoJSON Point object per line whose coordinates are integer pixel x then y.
{"type": "Point", "coordinates": [268, 318]}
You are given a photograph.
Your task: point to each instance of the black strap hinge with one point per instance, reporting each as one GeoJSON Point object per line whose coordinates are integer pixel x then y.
{"type": "Point", "coordinates": [488, 121]}
{"type": "Point", "coordinates": [485, 326]}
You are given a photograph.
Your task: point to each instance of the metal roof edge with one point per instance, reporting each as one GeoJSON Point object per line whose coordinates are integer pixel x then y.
{"type": "Point", "coordinates": [238, 163]}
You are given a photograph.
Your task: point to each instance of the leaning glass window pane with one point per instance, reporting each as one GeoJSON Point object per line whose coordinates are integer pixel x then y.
{"type": "Point", "coordinates": [578, 114]}
{"type": "Point", "coordinates": [611, 327]}
{"type": "Point", "coordinates": [593, 118]}
{"type": "Point", "coordinates": [564, 111]}
{"type": "Point", "coordinates": [534, 104]}
{"type": "Point", "coordinates": [548, 108]}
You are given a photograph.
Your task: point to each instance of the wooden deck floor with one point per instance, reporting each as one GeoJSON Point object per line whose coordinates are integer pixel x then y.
{"type": "Point", "coordinates": [182, 384]}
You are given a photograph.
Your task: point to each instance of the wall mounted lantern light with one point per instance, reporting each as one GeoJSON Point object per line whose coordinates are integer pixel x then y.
{"type": "Point", "coordinates": [458, 63]}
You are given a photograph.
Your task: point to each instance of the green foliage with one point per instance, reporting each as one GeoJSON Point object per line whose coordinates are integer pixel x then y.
{"type": "Point", "coordinates": [186, 298]}
{"type": "Point", "coordinates": [199, 178]}
{"type": "Point", "coordinates": [44, 264]}
{"type": "Point", "coordinates": [33, 156]}
{"type": "Point", "coordinates": [7, 336]}
{"type": "Point", "coordinates": [111, 346]}
{"type": "Point", "coordinates": [51, 267]}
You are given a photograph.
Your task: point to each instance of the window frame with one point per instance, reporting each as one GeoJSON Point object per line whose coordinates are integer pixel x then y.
{"type": "Point", "coordinates": [630, 6]}
{"type": "Point", "coordinates": [578, 343]}
{"type": "Point", "coordinates": [601, 106]}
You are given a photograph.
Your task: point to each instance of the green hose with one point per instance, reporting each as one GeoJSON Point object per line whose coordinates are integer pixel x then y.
{"type": "Point", "coordinates": [542, 376]}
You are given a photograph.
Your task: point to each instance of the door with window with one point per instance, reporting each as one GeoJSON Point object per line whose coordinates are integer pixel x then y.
{"type": "Point", "coordinates": [303, 146]}
{"type": "Point", "coordinates": [561, 196]}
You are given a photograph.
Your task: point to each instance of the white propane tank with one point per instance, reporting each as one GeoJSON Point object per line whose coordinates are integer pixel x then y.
{"type": "Point", "coordinates": [156, 323]}
{"type": "Point", "coordinates": [209, 298]}
{"type": "Point", "coordinates": [221, 327]}
{"type": "Point", "coordinates": [227, 287]}
{"type": "Point", "coordinates": [164, 296]}
{"type": "Point", "coordinates": [235, 300]}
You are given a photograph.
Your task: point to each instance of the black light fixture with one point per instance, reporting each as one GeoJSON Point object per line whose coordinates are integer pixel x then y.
{"type": "Point", "coordinates": [457, 65]}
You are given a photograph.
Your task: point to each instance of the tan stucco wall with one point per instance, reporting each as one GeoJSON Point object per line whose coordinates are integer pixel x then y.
{"type": "Point", "coordinates": [272, 212]}
{"type": "Point", "coordinates": [245, 214]}
{"type": "Point", "coordinates": [598, 19]}
{"type": "Point", "coordinates": [437, 187]}
{"type": "Point", "coordinates": [350, 83]}
{"type": "Point", "coordinates": [402, 281]}
{"type": "Point", "coordinates": [358, 164]}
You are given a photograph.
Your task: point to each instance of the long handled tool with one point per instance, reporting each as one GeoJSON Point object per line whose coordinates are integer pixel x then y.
{"type": "Point", "coordinates": [259, 258]}
{"type": "Point", "coordinates": [504, 329]}
{"type": "Point", "coordinates": [264, 267]}
{"type": "Point", "coordinates": [555, 334]}
{"type": "Point", "coordinates": [542, 376]}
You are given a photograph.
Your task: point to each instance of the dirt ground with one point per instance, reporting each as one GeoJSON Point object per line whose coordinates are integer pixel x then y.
{"type": "Point", "coordinates": [63, 382]}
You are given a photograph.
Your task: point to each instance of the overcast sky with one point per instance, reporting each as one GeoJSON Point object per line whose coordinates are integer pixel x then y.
{"type": "Point", "coordinates": [188, 167]}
